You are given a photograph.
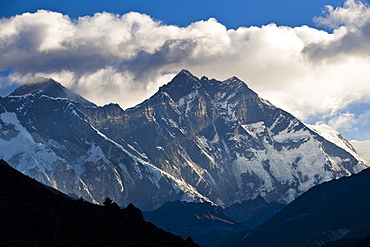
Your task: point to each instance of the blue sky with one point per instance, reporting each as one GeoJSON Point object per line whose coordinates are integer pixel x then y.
{"type": "Point", "coordinates": [231, 13]}
{"type": "Point", "coordinates": [311, 58]}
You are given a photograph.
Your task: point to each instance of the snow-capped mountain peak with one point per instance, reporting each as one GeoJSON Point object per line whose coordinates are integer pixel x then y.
{"type": "Point", "coordinates": [194, 140]}
{"type": "Point", "coordinates": [228, 143]}
{"type": "Point", "coordinates": [49, 87]}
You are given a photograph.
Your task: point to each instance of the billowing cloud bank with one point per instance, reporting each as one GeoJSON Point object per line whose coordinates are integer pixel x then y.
{"type": "Point", "coordinates": [124, 59]}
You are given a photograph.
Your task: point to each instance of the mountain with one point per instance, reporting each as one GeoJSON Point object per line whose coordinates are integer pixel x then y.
{"type": "Point", "coordinates": [226, 142]}
{"type": "Point", "coordinates": [325, 213]}
{"type": "Point", "coordinates": [49, 87]}
{"type": "Point", "coordinates": [33, 214]}
{"type": "Point", "coordinates": [195, 140]}
{"type": "Point", "coordinates": [51, 140]}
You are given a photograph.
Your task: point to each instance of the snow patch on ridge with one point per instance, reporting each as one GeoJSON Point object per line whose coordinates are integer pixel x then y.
{"type": "Point", "coordinates": [22, 150]}
{"type": "Point", "coordinates": [333, 136]}
{"type": "Point", "coordinates": [255, 129]}
{"type": "Point", "coordinates": [37, 160]}
{"type": "Point", "coordinates": [187, 101]}
{"type": "Point", "coordinates": [156, 174]}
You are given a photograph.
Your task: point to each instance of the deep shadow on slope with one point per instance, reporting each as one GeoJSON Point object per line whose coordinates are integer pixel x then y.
{"type": "Point", "coordinates": [32, 214]}
{"type": "Point", "coordinates": [322, 214]}
{"type": "Point", "coordinates": [358, 237]}
{"type": "Point", "coordinates": [205, 223]}
{"type": "Point", "coordinates": [209, 225]}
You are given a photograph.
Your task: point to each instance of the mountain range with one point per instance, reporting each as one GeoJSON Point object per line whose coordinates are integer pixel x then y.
{"type": "Point", "coordinates": [195, 140]}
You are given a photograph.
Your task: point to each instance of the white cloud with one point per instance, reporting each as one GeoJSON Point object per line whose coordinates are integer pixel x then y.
{"type": "Point", "coordinates": [353, 14]}
{"type": "Point", "coordinates": [344, 121]}
{"type": "Point", "coordinates": [355, 126]}
{"type": "Point", "coordinates": [125, 59]}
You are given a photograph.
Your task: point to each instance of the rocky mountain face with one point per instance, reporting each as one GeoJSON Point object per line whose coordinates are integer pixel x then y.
{"type": "Point", "coordinates": [198, 140]}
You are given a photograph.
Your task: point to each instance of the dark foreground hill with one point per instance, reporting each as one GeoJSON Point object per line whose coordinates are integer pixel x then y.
{"type": "Point", "coordinates": [32, 214]}
{"type": "Point", "coordinates": [205, 223]}
{"type": "Point", "coordinates": [338, 209]}
{"type": "Point", "coordinates": [209, 225]}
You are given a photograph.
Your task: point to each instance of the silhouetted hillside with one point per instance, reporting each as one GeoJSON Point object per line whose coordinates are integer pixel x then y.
{"type": "Point", "coordinates": [32, 214]}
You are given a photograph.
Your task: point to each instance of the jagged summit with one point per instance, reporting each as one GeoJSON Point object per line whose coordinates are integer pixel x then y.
{"type": "Point", "coordinates": [185, 73]}
{"type": "Point", "coordinates": [183, 79]}
{"type": "Point", "coordinates": [185, 83]}
{"type": "Point", "coordinates": [51, 88]}
{"type": "Point", "coordinates": [40, 85]}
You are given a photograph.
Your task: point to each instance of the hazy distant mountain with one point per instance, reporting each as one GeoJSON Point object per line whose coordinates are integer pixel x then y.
{"type": "Point", "coordinates": [362, 148]}
{"type": "Point", "coordinates": [198, 140]}
{"type": "Point", "coordinates": [209, 225]}
{"type": "Point", "coordinates": [206, 224]}
{"type": "Point", "coordinates": [327, 212]}
{"type": "Point", "coordinates": [35, 215]}
{"type": "Point", "coordinates": [253, 213]}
